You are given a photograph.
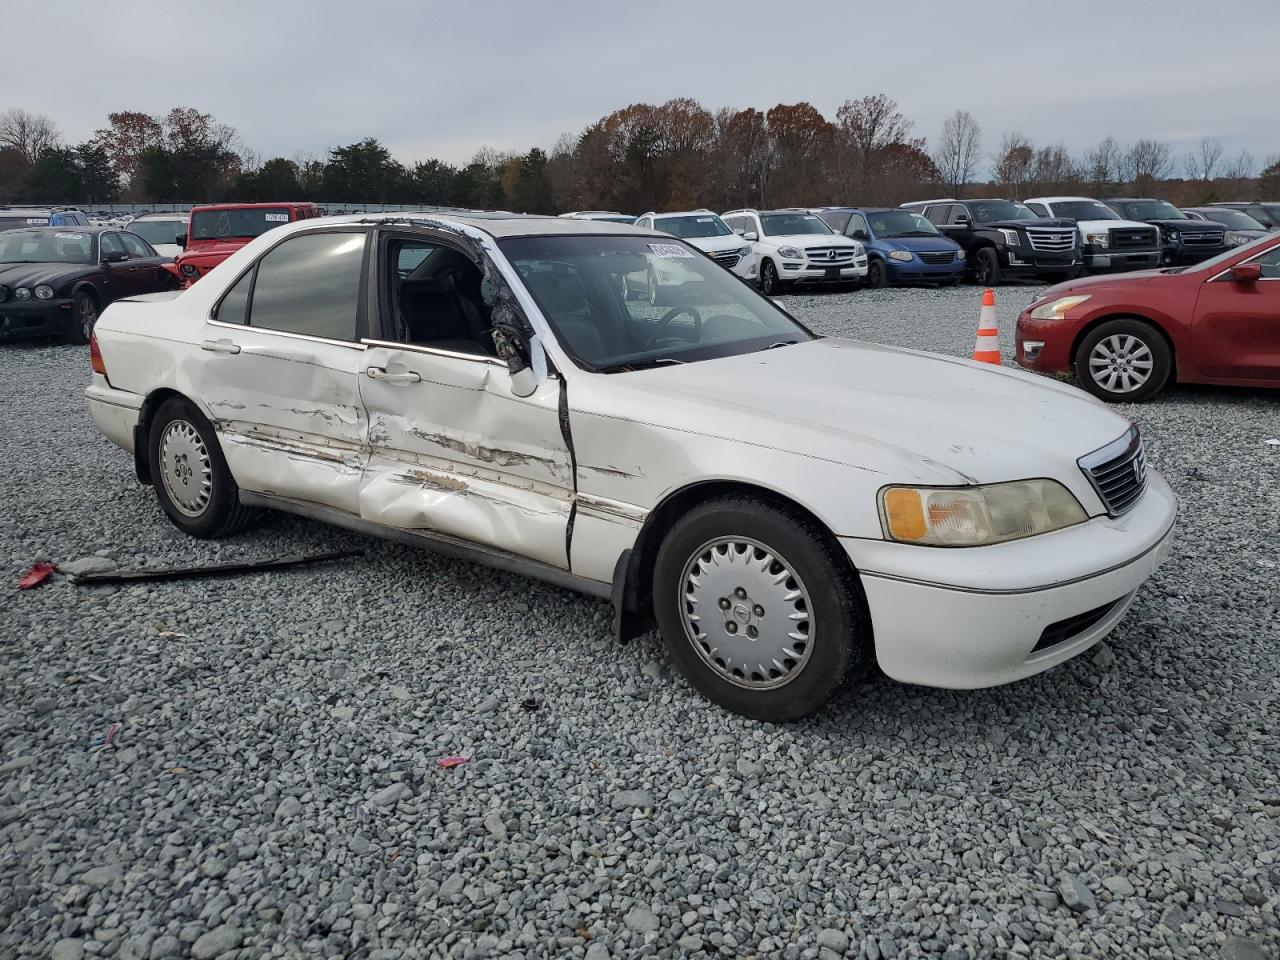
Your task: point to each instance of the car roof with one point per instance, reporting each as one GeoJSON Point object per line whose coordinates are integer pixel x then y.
{"type": "Point", "coordinates": [497, 224]}
{"type": "Point", "coordinates": [681, 213]}
{"type": "Point", "coordinates": [860, 209]}
{"type": "Point", "coordinates": [1061, 200]}
{"type": "Point", "coordinates": [71, 228]}
{"type": "Point", "coordinates": [252, 206]}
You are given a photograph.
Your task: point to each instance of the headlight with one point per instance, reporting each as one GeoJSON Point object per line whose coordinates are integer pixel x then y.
{"type": "Point", "coordinates": [791, 253]}
{"type": "Point", "coordinates": [744, 252]}
{"type": "Point", "coordinates": [974, 516]}
{"type": "Point", "coordinates": [1010, 236]}
{"type": "Point", "coordinates": [1172, 236]}
{"type": "Point", "coordinates": [1233, 240]}
{"type": "Point", "coordinates": [903, 255]}
{"type": "Point", "coordinates": [1098, 239]}
{"type": "Point", "coordinates": [960, 254]}
{"type": "Point", "coordinates": [22, 293]}
{"type": "Point", "coordinates": [189, 270]}
{"type": "Point", "coordinates": [1057, 309]}
{"type": "Point", "coordinates": [44, 292]}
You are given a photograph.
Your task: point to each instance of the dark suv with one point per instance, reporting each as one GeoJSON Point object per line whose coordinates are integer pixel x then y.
{"type": "Point", "coordinates": [1004, 240]}
{"type": "Point", "coordinates": [1266, 213]}
{"type": "Point", "coordinates": [1185, 240]}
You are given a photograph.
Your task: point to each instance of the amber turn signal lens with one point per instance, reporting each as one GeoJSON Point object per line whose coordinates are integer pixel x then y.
{"type": "Point", "coordinates": [904, 511]}
{"type": "Point", "coordinates": [95, 356]}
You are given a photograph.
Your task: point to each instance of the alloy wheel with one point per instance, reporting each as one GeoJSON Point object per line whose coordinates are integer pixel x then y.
{"type": "Point", "coordinates": [1121, 363]}
{"type": "Point", "coordinates": [186, 468]}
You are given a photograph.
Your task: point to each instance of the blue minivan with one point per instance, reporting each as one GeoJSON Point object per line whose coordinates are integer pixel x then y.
{"type": "Point", "coordinates": [902, 246]}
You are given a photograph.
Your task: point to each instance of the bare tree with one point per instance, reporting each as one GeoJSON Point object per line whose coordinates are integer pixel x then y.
{"type": "Point", "coordinates": [1202, 162]}
{"type": "Point", "coordinates": [1054, 170]}
{"type": "Point", "coordinates": [870, 125]}
{"type": "Point", "coordinates": [1144, 163]}
{"type": "Point", "coordinates": [27, 132]}
{"type": "Point", "coordinates": [958, 151]}
{"type": "Point", "coordinates": [1241, 168]}
{"type": "Point", "coordinates": [1101, 165]}
{"type": "Point", "coordinates": [1012, 164]}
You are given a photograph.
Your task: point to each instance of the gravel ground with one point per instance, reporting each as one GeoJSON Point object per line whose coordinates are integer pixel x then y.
{"type": "Point", "coordinates": [274, 789]}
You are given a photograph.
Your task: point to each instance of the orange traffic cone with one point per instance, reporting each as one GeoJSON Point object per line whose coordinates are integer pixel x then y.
{"type": "Point", "coordinates": [987, 348]}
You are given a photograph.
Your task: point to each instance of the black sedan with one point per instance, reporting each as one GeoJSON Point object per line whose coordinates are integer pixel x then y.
{"type": "Point", "coordinates": [56, 280]}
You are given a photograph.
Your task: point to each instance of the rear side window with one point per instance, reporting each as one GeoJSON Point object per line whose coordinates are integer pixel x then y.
{"type": "Point", "coordinates": [857, 225]}
{"type": "Point", "coordinates": [836, 219]}
{"type": "Point", "coordinates": [234, 307]}
{"type": "Point", "coordinates": [110, 243]}
{"type": "Point", "coordinates": [135, 246]}
{"type": "Point", "coordinates": [311, 285]}
{"type": "Point", "coordinates": [1039, 209]}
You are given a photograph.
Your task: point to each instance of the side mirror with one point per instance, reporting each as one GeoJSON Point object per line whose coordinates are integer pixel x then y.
{"type": "Point", "coordinates": [1246, 272]}
{"type": "Point", "coordinates": [115, 256]}
{"type": "Point", "coordinates": [513, 350]}
{"type": "Point", "coordinates": [963, 222]}
{"type": "Point", "coordinates": [751, 235]}
{"type": "Point", "coordinates": [861, 235]}
{"type": "Point", "coordinates": [739, 231]}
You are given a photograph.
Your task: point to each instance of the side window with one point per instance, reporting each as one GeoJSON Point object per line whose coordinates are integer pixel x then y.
{"type": "Point", "coordinates": [234, 306]}
{"type": "Point", "coordinates": [310, 284]}
{"type": "Point", "coordinates": [111, 244]}
{"type": "Point", "coordinates": [936, 215]}
{"type": "Point", "coordinates": [1039, 209]}
{"type": "Point", "coordinates": [135, 246]}
{"type": "Point", "coordinates": [1270, 263]}
{"type": "Point", "coordinates": [857, 226]}
{"type": "Point", "coordinates": [752, 225]}
{"type": "Point", "coordinates": [433, 297]}
{"type": "Point", "coordinates": [835, 219]}
{"type": "Point", "coordinates": [959, 215]}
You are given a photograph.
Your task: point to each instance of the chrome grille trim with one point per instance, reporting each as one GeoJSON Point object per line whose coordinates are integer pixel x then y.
{"type": "Point", "coordinates": [1051, 239]}
{"type": "Point", "coordinates": [1118, 472]}
{"type": "Point", "coordinates": [937, 256]}
{"type": "Point", "coordinates": [824, 255]}
{"type": "Point", "coordinates": [728, 259]}
{"type": "Point", "coordinates": [1202, 239]}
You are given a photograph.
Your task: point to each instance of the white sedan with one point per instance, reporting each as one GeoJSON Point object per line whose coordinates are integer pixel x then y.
{"type": "Point", "coordinates": [786, 508]}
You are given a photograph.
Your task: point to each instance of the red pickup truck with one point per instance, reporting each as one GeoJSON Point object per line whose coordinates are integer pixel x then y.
{"type": "Point", "coordinates": [218, 230]}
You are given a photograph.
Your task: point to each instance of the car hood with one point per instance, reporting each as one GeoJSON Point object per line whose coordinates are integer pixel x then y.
{"type": "Point", "coordinates": [1187, 226]}
{"type": "Point", "coordinates": [1033, 222]}
{"type": "Point", "coordinates": [1103, 282]}
{"type": "Point", "coordinates": [917, 417]}
{"type": "Point", "coordinates": [717, 244]}
{"type": "Point", "coordinates": [14, 275]}
{"type": "Point", "coordinates": [1099, 226]}
{"type": "Point", "coordinates": [915, 243]}
{"type": "Point", "coordinates": [803, 240]}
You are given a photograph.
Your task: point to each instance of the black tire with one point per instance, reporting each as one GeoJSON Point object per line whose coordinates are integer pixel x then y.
{"type": "Point", "coordinates": [770, 283]}
{"type": "Point", "coordinates": [1133, 342]}
{"type": "Point", "coordinates": [877, 275]}
{"type": "Point", "coordinates": [84, 315]}
{"type": "Point", "coordinates": [986, 268]}
{"type": "Point", "coordinates": [953, 282]}
{"type": "Point", "coordinates": [218, 513]}
{"type": "Point", "coordinates": [829, 594]}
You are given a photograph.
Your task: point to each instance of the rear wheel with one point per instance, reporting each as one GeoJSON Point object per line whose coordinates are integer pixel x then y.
{"type": "Point", "coordinates": [877, 275]}
{"type": "Point", "coordinates": [1123, 361]}
{"type": "Point", "coordinates": [84, 315]}
{"type": "Point", "coordinates": [190, 475]}
{"type": "Point", "coordinates": [986, 267]}
{"type": "Point", "coordinates": [759, 609]}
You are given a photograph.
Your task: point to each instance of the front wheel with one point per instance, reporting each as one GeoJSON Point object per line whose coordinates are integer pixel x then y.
{"type": "Point", "coordinates": [759, 609]}
{"type": "Point", "coordinates": [84, 315]}
{"type": "Point", "coordinates": [986, 268]}
{"type": "Point", "coordinates": [770, 282]}
{"type": "Point", "coordinates": [877, 275]}
{"type": "Point", "coordinates": [1123, 361]}
{"type": "Point", "coordinates": [194, 486]}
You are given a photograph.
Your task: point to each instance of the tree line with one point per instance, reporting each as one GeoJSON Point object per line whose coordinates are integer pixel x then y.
{"type": "Point", "coordinates": [677, 155]}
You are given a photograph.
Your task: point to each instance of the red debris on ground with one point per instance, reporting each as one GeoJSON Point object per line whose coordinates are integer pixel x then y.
{"type": "Point", "coordinates": [40, 571]}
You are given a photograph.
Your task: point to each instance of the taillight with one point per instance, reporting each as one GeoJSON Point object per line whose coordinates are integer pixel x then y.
{"type": "Point", "coordinates": [95, 355]}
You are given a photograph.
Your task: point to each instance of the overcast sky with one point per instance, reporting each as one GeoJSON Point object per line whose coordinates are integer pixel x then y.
{"type": "Point", "coordinates": [441, 79]}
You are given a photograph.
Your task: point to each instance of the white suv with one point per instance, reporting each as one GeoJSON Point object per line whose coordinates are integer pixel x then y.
{"type": "Point", "coordinates": [1109, 242]}
{"type": "Point", "coordinates": [796, 246]}
{"type": "Point", "coordinates": [706, 231]}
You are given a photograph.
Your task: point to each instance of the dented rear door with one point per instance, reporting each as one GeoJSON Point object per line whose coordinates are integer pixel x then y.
{"type": "Point", "coordinates": [453, 451]}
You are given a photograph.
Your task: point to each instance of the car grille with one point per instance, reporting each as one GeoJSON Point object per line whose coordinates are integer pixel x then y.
{"type": "Point", "coordinates": [937, 256]}
{"type": "Point", "coordinates": [830, 255]}
{"type": "Point", "coordinates": [1133, 239]}
{"type": "Point", "coordinates": [1118, 472]}
{"type": "Point", "coordinates": [1051, 239]}
{"type": "Point", "coordinates": [1208, 239]}
{"type": "Point", "coordinates": [727, 259]}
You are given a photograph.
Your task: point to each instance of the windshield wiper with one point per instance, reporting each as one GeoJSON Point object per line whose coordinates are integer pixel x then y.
{"type": "Point", "coordinates": [916, 233]}
{"type": "Point", "coordinates": [629, 365]}
{"type": "Point", "coordinates": [782, 343]}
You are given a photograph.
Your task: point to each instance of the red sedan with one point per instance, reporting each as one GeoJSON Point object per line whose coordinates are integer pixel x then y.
{"type": "Point", "coordinates": [1126, 336]}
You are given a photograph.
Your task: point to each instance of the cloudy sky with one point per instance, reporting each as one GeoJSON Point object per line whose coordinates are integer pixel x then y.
{"type": "Point", "coordinates": [441, 79]}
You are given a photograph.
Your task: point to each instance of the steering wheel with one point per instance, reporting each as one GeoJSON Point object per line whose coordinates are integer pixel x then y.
{"type": "Point", "coordinates": [666, 322]}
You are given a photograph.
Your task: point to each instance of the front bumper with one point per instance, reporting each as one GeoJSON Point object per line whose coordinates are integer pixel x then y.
{"type": "Point", "coordinates": [1031, 263]}
{"type": "Point", "coordinates": [1100, 259]}
{"type": "Point", "coordinates": [985, 616]}
{"type": "Point", "coordinates": [747, 268]}
{"type": "Point", "coordinates": [806, 271]}
{"type": "Point", "coordinates": [35, 318]}
{"type": "Point", "coordinates": [916, 270]}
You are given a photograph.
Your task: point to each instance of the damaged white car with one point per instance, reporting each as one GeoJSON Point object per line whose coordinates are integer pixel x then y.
{"type": "Point", "coordinates": [786, 508]}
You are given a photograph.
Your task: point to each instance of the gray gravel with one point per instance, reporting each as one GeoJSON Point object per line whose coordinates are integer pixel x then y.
{"type": "Point", "coordinates": [273, 788]}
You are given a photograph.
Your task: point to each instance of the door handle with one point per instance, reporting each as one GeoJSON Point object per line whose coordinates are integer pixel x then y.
{"type": "Point", "coordinates": [220, 346]}
{"type": "Point", "coordinates": [381, 373]}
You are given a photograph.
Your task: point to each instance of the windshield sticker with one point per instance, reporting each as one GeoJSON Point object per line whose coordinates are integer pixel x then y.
{"type": "Point", "coordinates": [68, 236]}
{"type": "Point", "coordinates": [809, 217]}
{"type": "Point", "coordinates": [670, 251]}
{"type": "Point", "coordinates": [706, 220]}
{"type": "Point", "coordinates": [276, 217]}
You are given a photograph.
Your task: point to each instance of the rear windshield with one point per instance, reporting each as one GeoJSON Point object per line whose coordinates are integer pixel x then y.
{"type": "Point", "coordinates": [688, 228]}
{"type": "Point", "coordinates": [158, 231]}
{"type": "Point", "coordinates": [221, 224]}
{"type": "Point", "coordinates": [10, 222]}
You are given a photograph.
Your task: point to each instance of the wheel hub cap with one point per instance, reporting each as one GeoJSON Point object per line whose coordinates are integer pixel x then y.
{"type": "Point", "coordinates": [1121, 363]}
{"type": "Point", "coordinates": [185, 468]}
{"type": "Point", "coordinates": [747, 613]}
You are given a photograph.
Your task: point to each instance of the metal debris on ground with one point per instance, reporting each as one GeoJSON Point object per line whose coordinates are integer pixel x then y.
{"type": "Point", "coordinates": [216, 569]}
{"type": "Point", "coordinates": [530, 704]}
{"type": "Point", "coordinates": [40, 571]}
{"type": "Point", "coordinates": [448, 763]}
{"type": "Point", "coordinates": [105, 739]}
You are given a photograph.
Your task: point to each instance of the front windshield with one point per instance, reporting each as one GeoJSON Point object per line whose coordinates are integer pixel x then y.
{"type": "Point", "coordinates": [158, 231]}
{"type": "Point", "coordinates": [53, 245]}
{"type": "Point", "coordinates": [985, 211]}
{"type": "Point", "coordinates": [900, 223]}
{"type": "Point", "coordinates": [688, 228]}
{"type": "Point", "coordinates": [1232, 219]}
{"type": "Point", "coordinates": [1149, 210]}
{"type": "Point", "coordinates": [790, 224]}
{"type": "Point", "coordinates": [241, 224]}
{"type": "Point", "coordinates": [622, 303]}
{"type": "Point", "coordinates": [1084, 210]}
